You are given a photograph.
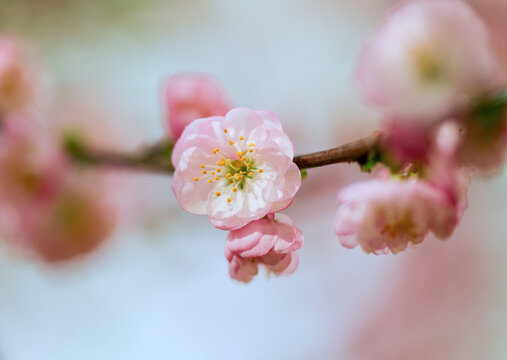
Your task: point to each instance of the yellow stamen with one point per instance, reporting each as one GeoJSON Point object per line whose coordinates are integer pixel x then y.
{"type": "Point", "coordinates": [242, 159]}
{"type": "Point", "coordinates": [202, 166]}
{"type": "Point", "coordinates": [196, 179]}
{"type": "Point", "coordinates": [231, 142]}
{"type": "Point", "coordinates": [210, 181]}
{"type": "Point", "coordinates": [241, 138]}
{"type": "Point", "coordinates": [225, 131]}
{"type": "Point", "coordinates": [250, 173]}
{"type": "Point", "coordinates": [218, 170]}
{"type": "Point", "coordinates": [221, 163]}
{"type": "Point", "coordinates": [260, 170]}
{"type": "Point", "coordinates": [204, 171]}
{"type": "Point", "coordinates": [250, 150]}
{"type": "Point", "coordinates": [248, 164]}
{"type": "Point", "coordinates": [234, 189]}
{"type": "Point", "coordinates": [239, 153]}
{"type": "Point", "coordinates": [228, 175]}
{"type": "Point", "coordinates": [217, 178]}
{"type": "Point", "coordinates": [231, 181]}
{"type": "Point", "coordinates": [218, 193]}
{"type": "Point", "coordinates": [215, 150]}
{"type": "Point", "coordinates": [252, 144]}
{"type": "Point", "coordinates": [229, 200]}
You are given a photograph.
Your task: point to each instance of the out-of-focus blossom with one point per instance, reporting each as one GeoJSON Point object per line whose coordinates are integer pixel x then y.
{"type": "Point", "coordinates": [44, 206]}
{"type": "Point", "coordinates": [236, 168]}
{"type": "Point", "coordinates": [445, 170]}
{"type": "Point", "coordinates": [427, 61]}
{"type": "Point", "coordinates": [407, 141]}
{"type": "Point", "coordinates": [31, 168]}
{"type": "Point", "coordinates": [188, 97]}
{"type": "Point", "coordinates": [270, 242]}
{"type": "Point", "coordinates": [15, 88]}
{"type": "Point", "coordinates": [74, 223]}
{"type": "Point", "coordinates": [385, 215]}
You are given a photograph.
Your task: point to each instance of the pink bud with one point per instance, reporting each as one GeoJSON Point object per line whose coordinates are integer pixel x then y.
{"type": "Point", "coordinates": [189, 97]}
{"type": "Point", "coordinates": [269, 242]}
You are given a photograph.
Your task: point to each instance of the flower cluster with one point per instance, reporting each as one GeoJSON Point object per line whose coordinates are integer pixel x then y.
{"type": "Point", "coordinates": [47, 207]}
{"type": "Point", "coordinates": [238, 170]}
{"type": "Point", "coordinates": [432, 72]}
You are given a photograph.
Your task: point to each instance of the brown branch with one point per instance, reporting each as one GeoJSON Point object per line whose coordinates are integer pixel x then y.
{"type": "Point", "coordinates": [157, 158]}
{"type": "Point", "coordinates": [356, 151]}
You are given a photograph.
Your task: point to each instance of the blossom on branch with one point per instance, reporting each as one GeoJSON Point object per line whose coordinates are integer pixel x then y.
{"type": "Point", "coordinates": [236, 169]}
{"type": "Point", "coordinates": [47, 208]}
{"type": "Point", "coordinates": [427, 61]}
{"type": "Point", "coordinates": [188, 97]}
{"type": "Point", "coordinates": [385, 215]}
{"type": "Point", "coordinates": [269, 242]}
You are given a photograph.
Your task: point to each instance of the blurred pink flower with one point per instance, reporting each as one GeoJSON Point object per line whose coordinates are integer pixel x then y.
{"type": "Point", "coordinates": [15, 89]}
{"type": "Point", "coordinates": [32, 169]}
{"type": "Point", "coordinates": [236, 168]}
{"type": "Point", "coordinates": [385, 215]}
{"type": "Point", "coordinates": [76, 222]}
{"type": "Point", "coordinates": [45, 205]}
{"type": "Point", "coordinates": [269, 242]}
{"type": "Point", "coordinates": [445, 170]}
{"type": "Point", "coordinates": [188, 97]}
{"type": "Point", "coordinates": [408, 141]}
{"type": "Point", "coordinates": [427, 61]}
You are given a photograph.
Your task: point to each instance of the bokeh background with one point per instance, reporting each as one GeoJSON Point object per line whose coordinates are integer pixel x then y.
{"type": "Point", "coordinates": [159, 287]}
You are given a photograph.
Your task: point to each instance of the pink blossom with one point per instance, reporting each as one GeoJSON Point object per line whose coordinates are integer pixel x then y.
{"type": "Point", "coordinates": [407, 141]}
{"type": "Point", "coordinates": [32, 169]}
{"type": "Point", "coordinates": [192, 96]}
{"type": "Point", "coordinates": [14, 86]}
{"type": "Point", "coordinates": [445, 171]}
{"type": "Point", "coordinates": [74, 223]}
{"type": "Point", "coordinates": [389, 214]}
{"type": "Point", "coordinates": [269, 242]}
{"type": "Point", "coordinates": [427, 61]}
{"type": "Point", "coordinates": [236, 168]}
{"type": "Point", "coordinates": [45, 206]}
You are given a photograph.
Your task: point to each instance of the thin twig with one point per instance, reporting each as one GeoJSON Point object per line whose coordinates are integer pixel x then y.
{"type": "Point", "coordinates": [156, 158]}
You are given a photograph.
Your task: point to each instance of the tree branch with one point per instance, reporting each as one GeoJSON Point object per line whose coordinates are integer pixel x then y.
{"type": "Point", "coordinates": [157, 158]}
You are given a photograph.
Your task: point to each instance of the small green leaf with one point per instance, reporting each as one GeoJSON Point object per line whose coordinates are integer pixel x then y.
{"type": "Point", "coordinates": [371, 161]}
{"type": "Point", "coordinates": [304, 174]}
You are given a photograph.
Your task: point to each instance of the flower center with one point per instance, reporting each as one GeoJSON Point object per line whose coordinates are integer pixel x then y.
{"type": "Point", "coordinates": [231, 172]}
{"type": "Point", "coordinates": [403, 226]}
